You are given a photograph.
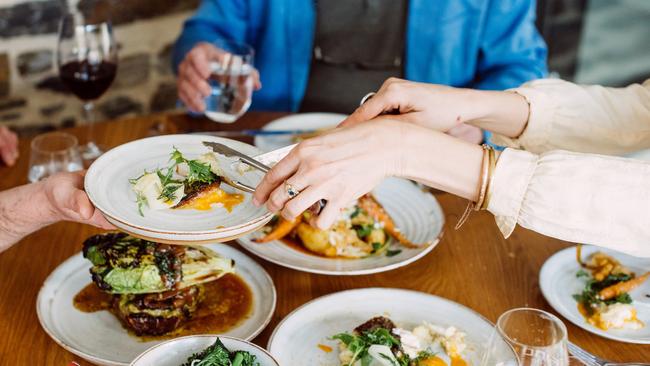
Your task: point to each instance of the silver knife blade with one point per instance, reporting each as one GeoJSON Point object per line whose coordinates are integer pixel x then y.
{"type": "Point", "coordinates": [272, 157]}
{"type": "Point", "coordinates": [230, 152]}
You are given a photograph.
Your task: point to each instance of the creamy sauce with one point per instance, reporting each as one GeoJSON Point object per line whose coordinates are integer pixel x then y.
{"type": "Point", "coordinates": [228, 301]}
{"type": "Point", "coordinates": [228, 200]}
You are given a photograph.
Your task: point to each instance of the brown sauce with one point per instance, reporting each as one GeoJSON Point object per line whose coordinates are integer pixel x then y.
{"type": "Point", "coordinates": [228, 301]}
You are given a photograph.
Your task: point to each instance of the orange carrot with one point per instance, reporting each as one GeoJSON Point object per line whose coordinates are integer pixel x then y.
{"type": "Point", "coordinates": [282, 229]}
{"type": "Point", "coordinates": [374, 209]}
{"type": "Point", "coordinates": [622, 287]}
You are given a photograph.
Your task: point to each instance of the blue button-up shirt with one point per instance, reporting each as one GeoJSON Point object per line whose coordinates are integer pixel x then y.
{"type": "Point", "coordinates": [483, 44]}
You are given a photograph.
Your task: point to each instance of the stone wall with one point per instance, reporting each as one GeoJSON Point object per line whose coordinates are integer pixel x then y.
{"type": "Point", "coordinates": [32, 99]}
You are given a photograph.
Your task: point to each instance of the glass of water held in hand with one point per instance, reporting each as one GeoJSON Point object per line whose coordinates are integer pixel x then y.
{"type": "Point", "coordinates": [231, 81]}
{"type": "Point", "coordinates": [52, 153]}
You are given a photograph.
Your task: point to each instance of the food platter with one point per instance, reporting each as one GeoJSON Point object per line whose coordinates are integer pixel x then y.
{"type": "Point", "coordinates": [558, 282]}
{"type": "Point", "coordinates": [176, 351]}
{"type": "Point", "coordinates": [301, 121]}
{"type": "Point", "coordinates": [110, 190]}
{"type": "Point", "coordinates": [100, 338]}
{"type": "Point", "coordinates": [304, 337]}
{"type": "Point", "coordinates": [416, 212]}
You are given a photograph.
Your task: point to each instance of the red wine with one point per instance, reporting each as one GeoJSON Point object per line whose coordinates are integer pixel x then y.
{"type": "Point", "coordinates": [88, 81]}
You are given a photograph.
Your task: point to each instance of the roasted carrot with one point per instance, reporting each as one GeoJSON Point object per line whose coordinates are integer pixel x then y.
{"type": "Point", "coordinates": [622, 287]}
{"type": "Point", "coordinates": [376, 211]}
{"type": "Point", "coordinates": [282, 229]}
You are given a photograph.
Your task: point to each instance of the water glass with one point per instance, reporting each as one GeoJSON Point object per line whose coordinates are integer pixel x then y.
{"type": "Point", "coordinates": [231, 81]}
{"type": "Point", "coordinates": [535, 338]}
{"type": "Point", "coordinates": [52, 153]}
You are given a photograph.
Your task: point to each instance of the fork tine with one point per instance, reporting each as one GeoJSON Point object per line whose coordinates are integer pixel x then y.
{"type": "Point", "coordinates": [584, 356]}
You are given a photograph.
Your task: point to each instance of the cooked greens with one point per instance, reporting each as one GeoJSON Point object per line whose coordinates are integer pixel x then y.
{"type": "Point", "coordinates": [218, 355]}
{"type": "Point", "coordinates": [590, 298]}
{"type": "Point", "coordinates": [360, 344]}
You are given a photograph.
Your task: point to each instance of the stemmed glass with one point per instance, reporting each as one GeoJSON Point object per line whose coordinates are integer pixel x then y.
{"type": "Point", "coordinates": [528, 337]}
{"type": "Point", "coordinates": [87, 61]}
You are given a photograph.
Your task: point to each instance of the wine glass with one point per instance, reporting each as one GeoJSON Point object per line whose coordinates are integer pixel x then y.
{"type": "Point", "coordinates": [52, 153]}
{"type": "Point", "coordinates": [231, 81]}
{"type": "Point", "coordinates": [87, 61]}
{"type": "Point", "coordinates": [534, 338]}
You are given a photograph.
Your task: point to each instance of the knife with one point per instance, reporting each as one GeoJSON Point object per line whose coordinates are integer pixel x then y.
{"type": "Point", "coordinates": [259, 133]}
{"type": "Point", "coordinates": [230, 152]}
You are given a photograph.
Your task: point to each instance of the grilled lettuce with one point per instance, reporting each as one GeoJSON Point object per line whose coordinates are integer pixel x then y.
{"type": "Point", "coordinates": [123, 264]}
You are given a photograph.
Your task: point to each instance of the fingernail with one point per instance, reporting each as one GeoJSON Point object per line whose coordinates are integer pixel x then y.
{"type": "Point", "coordinates": [256, 202]}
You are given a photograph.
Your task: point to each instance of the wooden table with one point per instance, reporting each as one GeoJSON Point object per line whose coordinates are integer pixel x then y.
{"type": "Point", "coordinates": [474, 266]}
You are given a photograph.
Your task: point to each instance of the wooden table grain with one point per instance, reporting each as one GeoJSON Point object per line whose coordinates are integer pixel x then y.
{"type": "Point", "coordinates": [474, 266]}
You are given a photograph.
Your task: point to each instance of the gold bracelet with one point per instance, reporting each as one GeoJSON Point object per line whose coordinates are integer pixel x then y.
{"type": "Point", "coordinates": [473, 206]}
{"type": "Point", "coordinates": [491, 168]}
{"type": "Point", "coordinates": [529, 107]}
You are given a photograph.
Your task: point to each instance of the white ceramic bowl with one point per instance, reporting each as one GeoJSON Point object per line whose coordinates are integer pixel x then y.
{"type": "Point", "coordinates": [176, 351]}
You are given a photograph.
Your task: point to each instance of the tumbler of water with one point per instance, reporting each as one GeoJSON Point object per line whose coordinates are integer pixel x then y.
{"type": "Point", "coordinates": [231, 81]}
{"type": "Point", "coordinates": [52, 153]}
{"type": "Point", "coordinates": [528, 337]}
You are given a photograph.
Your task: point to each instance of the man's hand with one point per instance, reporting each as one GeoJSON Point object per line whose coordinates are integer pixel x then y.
{"type": "Point", "coordinates": [194, 72]}
{"type": "Point", "coordinates": [8, 146]}
{"type": "Point", "coordinates": [68, 202]}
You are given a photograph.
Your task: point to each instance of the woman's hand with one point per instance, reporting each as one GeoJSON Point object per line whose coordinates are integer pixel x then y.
{"type": "Point", "coordinates": [339, 167]}
{"type": "Point", "coordinates": [8, 146]}
{"type": "Point", "coordinates": [433, 106]}
{"type": "Point", "coordinates": [194, 72]}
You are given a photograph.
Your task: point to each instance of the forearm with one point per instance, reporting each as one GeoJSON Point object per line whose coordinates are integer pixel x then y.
{"type": "Point", "coordinates": [442, 162]}
{"type": "Point", "coordinates": [23, 210]}
{"type": "Point", "coordinates": [503, 113]}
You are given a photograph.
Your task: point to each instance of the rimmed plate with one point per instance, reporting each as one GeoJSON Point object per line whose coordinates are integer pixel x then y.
{"type": "Point", "coordinates": [559, 283]}
{"type": "Point", "coordinates": [100, 338]}
{"type": "Point", "coordinates": [176, 351]}
{"type": "Point", "coordinates": [300, 121]}
{"type": "Point", "coordinates": [107, 185]}
{"type": "Point", "coordinates": [295, 340]}
{"type": "Point", "coordinates": [415, 212]}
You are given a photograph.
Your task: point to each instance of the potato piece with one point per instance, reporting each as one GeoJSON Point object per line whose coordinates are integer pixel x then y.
{"type": "Point", "coordinates": [314, 239]}
{"type": "Point", "coordinates": [376, 236]}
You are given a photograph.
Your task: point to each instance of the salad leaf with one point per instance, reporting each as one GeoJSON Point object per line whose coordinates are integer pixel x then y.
{"type": "Point", "coordinates": [218, 355]}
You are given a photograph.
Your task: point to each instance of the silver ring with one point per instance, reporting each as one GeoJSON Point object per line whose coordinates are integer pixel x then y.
{"type": "Point", "coordinates": [291, 190]}
{"type": "Point", "coordinates": [366, 97]}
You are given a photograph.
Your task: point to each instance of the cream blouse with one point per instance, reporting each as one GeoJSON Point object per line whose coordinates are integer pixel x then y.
{"type": "Point", "coordinates": [577, 195]}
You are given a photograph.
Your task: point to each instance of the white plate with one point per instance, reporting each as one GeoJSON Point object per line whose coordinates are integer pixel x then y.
{"type": "Point", "coordinates": [295, 340]}
{"type": "Point", "coordinates": [415, 212]}
{"type": "Point", "coordinates": [176, 351]}
{"type": "Point", "coordinates": [100, 338]}
{"type": "Point", "coordinates": [107, 185]}
{"type": "Point", "coordinates": [559, 283]}
{"type": "Point", "coordinates": [301, 121]}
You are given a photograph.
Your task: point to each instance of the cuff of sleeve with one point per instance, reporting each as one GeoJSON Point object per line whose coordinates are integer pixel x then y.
{"type": "Point", "coordinates": [508, 188]}
{"type": "Point", "coordinates": [540, 121]}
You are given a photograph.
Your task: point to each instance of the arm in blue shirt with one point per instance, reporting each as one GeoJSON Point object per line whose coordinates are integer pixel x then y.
{"type": "Point", "coordinates": [511, 52]}
{"type": "Point", "coordinates": [214, 19]}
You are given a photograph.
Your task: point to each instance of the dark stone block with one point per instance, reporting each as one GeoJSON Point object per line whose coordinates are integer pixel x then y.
{"type": "Point", "coordinates": [133, 70]}
{"type": "Point", "coordinates": [165, 60]}
{"type": "Point", "coordinates": [50, 110]}
{"type": "Point", "coordinates": [32, 17]}
{"type": "Point", "coordinates": [52, 83]}
{"type": "Point", "coordinates": [12, 103]}
{"type": "Point", "coordinates": [120, 106]}
{"type": "Point", "coordinates": [126, 11]}
{"type": "Point", "coordinates": [68, 122]}
{"type": "Point", "coordinates": [165, 98]}
{"type": "Point", "coordinates": [35, 62]}
{"type": "Point", "coordinates": [10, 116]}
{"type": "Point", "coordinates": [5, 76]}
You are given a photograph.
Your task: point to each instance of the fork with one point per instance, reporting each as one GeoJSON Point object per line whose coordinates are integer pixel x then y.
{"type": "Point", "coordinates": [591, 360]}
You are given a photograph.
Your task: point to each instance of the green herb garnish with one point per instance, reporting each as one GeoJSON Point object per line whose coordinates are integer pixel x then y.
{"type": "Point", "coordinates": [141, 201]}
{"type": "Point", "coordinates": [218, 355]}
{"type": "Point", "coordinates": [359, 344]}
{"type": "Point", "coordinates": [392, 253]}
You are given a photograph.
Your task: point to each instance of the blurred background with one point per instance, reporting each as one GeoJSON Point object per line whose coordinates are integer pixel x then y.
{"type": "Point", "coordinates": [590, 41]}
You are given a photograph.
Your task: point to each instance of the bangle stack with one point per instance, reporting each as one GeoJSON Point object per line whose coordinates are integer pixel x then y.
{"type": "Point", "coordinates": [487, 170]}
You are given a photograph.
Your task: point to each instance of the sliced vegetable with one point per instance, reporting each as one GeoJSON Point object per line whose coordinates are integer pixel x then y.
{"type": "Point", "coordinates": [374, 209]}
{"type": "Point", "coordinates": [282, 229]}
{"type": "Point", "coordinates": [621, 288]}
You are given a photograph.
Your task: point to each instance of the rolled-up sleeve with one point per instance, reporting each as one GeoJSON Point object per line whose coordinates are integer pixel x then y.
{"type": "Point", "coordinates": [591, 119]}
{"type": "Point", "coordinates": [577, 197]}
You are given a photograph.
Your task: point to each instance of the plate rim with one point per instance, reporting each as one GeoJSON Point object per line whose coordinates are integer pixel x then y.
{"type": "Point", "coordinates": [367, 289]}
{"type": "Point", "coordinates": [215, 231]}
{"type": "Point", "coordinates": [259, 348]}
{"type": "Point", "coordinates": [95, 359]}
{"type": "Point", "coordinates": [543, 285]}
{"type": "Point", "coordinates": [290, 116]}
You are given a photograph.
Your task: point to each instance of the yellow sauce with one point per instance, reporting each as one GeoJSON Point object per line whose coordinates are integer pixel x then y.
{"type": "Point", "coordinates": [325, 348]}
{"type": "Point", "coordinates": [205, 202]}
{"type": "Point", "coordinates": [437, 361]}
